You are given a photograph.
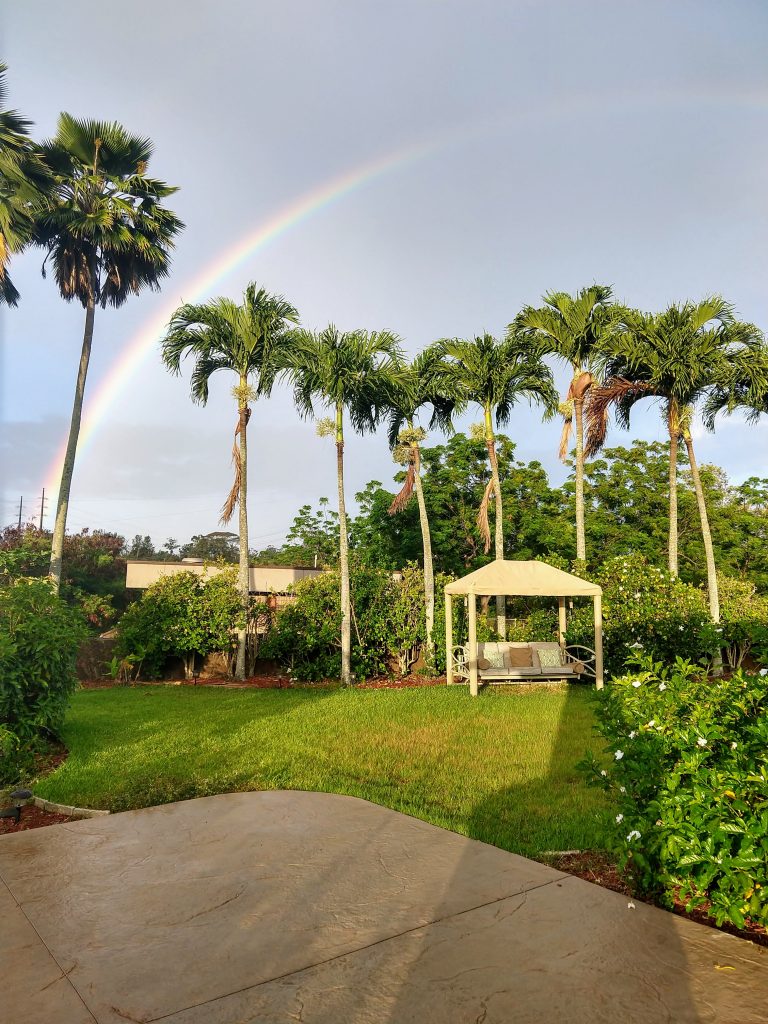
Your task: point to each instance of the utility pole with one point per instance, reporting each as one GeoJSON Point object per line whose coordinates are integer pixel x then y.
{"type": "Point", "coordinates": [21, 505]}
{"type": "Point", "coordinates": [42, 509]}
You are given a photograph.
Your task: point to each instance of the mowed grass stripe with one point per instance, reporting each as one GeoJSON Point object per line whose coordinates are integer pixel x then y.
{"type": "Point", "coordinates": [500, 768]}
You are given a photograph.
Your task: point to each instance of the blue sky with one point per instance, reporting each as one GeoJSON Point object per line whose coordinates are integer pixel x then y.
{"type": "Point", "coordinates": [620, 142]}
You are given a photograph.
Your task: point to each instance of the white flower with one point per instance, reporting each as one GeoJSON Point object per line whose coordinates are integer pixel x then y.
{"type": "Point", "coordinates": [680, 628]}
{"type": "Point", "coordinates": [630, 905]}
{"type": "Point", "coordinates": [652, 723]}
{"type": "Point", "coordinates": [662, 686]}
{"type": "Point", "coordinates": [634, 834]}
{"type": "Point", "coordinates": [701, 741]}
{"type": "Point", "coordinates": [604, 772]}
{"type": "Point", "coordinates": [632, 734]}
{"type": "Point", "coordinates": [622, 789]}
{"type": "Point", "coordinates": [619, 754]}
{"type": "Point", "coordinates": [734, 745]}
{"type": "Point", "coordinates": [764, 671]}
{"type": "Point", "coordinates": [619, 818]}
{"type": "Point", "coordinates": [636, 683]}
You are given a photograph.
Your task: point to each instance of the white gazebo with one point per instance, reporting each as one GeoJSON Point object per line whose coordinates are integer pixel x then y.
{"type": "Point", "coordinates": [519, 579]}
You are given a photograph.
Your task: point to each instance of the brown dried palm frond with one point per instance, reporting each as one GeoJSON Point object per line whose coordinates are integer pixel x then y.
{"type": "Point", "coordinates": [482, 517]}
{"type": "Point", "coordinates": [577, 390]}
{"type": "Point", "coordinates": [406, 491]}
{"type": "Point", "coordinates": [614, 393]}
{"type": "Point", "coordinates": [228, 508]}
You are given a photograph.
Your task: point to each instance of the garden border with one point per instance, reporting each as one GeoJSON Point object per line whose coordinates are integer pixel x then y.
{"type": "Point", "coordinates": [72, 812]}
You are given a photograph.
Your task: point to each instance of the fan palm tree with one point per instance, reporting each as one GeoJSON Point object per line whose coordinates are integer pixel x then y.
{"type": "Point", "coordinates": [358, 373]}
{"type": "Point", "coordinates": [24, 183]}
{"type": "Point", "coordinates": [251, 340]}
{"type": "Point", "coordinates": [572, 328]}
{"type": "Point", "coordinates": [677, 358]}
{"type": "Point", "coordinates": [495, 375]}
{"type": "Point", "coordinates": [108, 236]}
{"type": "Point", "coordinates": [420, 390]}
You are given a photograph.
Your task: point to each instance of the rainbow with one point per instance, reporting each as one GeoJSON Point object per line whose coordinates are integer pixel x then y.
{"type": "Point", "coordinates": [308, 203]}
{"type": "Point", "coordinates": [144, 341]}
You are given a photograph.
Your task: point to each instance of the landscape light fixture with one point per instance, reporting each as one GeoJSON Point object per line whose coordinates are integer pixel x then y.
{"type": "Point", "coordinates": [19, 797]}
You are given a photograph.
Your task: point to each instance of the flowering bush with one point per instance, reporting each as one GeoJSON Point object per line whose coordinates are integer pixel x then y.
{"type": "Point", "coordinates": [388, 624]}
{"type": "Point", "coordinates": [743, 620]}
{"type": "Point", "coordinates": [689, 774]}
{"type": "Point", "coordinates": [645, 607]}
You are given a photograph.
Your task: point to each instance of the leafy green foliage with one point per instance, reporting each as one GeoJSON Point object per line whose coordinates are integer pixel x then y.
{"type": "Point", "coordinates": [689, 774]}
{"type": "Point", "coordinates": [181, 615]}
{"type": "Point", "coordinates": [388, 625]}
{"type": "Point", "coordinates": [39, 640]}
{"type": "Point", "coordinates": [645, 607]}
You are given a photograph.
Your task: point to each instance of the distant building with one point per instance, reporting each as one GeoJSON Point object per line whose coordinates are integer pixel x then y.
{"type": "Point", "coordinates": [270, 582]}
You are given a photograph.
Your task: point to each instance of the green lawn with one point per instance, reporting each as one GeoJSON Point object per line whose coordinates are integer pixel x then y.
{"type": "Point", "coordinates": [499, 768]}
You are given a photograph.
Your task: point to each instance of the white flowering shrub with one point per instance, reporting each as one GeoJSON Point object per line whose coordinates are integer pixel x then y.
{"type": "Point", "coordinates": [646, 608]}
{"type": "Point", "coordinates": [689, 775]}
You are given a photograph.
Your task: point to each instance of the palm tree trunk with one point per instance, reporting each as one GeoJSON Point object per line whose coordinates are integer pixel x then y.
{"type": "Point", "coordinates": [674, 432]}
{"type": "Point", "coordinates": [581, 543]}
{"type": "Point", "coordinates": [429, 571]}
{"type": "Point", "coordinates": [346, 617]}
{"type": "Point", "coordinates": [490, 441]}
{"type": "Point", "coordinates": [243, 573]}
{"type": "Point", "coordinates": [67, 471]}
{"type": "Point", "coordinates": [706, 533]}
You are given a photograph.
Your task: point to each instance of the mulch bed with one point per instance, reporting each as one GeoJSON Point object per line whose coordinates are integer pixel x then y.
{"type": "Point", "coordinates": [269, 682]}
{"type": "Point", "coordinates": [595, 866]}
{"type": "Point", "coordinates": [31, 817]}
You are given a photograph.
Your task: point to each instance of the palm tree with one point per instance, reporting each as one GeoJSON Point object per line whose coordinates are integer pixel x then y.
{"type": "Point", "coordinates": [108, 236]}
{"type": "Point", "coordinates": [676, 357]}
{"type": "Point", "coordinates": [251, 340]}
{"type": "Point", "coordinates": [24, 183]}
{"type": "Point", "coordinates": [495, 375]}
{"type": "Point", "coordinates": [358, 373]}
{"type": "Point", "coordinates": [746, 386]}
{"type": "Point", "coordinates": [572, 328]}
{"type": "Point", "coordinates": [405, 438]}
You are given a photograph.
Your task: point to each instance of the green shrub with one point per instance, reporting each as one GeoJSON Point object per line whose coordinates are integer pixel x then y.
{"type": "Point", "coordinates": [689, 774]}
{"type": "Point", "coordinates": [743, 620]}
{"type": "Point", "coordinates": [388, 625]}
{"type": "Point", "coordinates": [39, 639]}
{"type": "Point", "coordinates": [645, 608]}
{"type": "Point", "coordinates": [181, 615]}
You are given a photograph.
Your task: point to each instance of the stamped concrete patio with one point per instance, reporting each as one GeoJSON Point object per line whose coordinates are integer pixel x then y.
{"type": "Point", "coordinates": [284, 906]}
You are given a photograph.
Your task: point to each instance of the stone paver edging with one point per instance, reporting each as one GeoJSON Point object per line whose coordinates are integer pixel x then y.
{"type": "Point", "coordinates": [72, 812]}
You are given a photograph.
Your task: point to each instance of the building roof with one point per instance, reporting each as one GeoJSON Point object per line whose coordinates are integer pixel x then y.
{"type": "Point", "coordinates": [524, 579]}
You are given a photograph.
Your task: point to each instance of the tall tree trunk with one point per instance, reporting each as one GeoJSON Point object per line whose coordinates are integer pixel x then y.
{"type": "Point", "coordinates": [62, 504]}
{"type": "Point", "coordinates": [429, 571]}
{"type": "Point", "coordinates": [673, 422]}
{"type": "Point", "coordinates": [706, 533]}
{"type": "Point", "coordinates": [243, 573]}
{"type": "Point", "coordinates": [346, 617]}
{"type": "Point", "coordinates": [490, 442]}
{"type": "Point", "coordinates": [581, 543]}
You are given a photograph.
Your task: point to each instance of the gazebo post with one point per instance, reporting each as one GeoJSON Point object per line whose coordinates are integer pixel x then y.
{"type": "Point", "coordinates": [448, 639]}
{"type": "Point", "coordinates": [561, 621]}
{"type": "Point", "coordinates": [598, 601]}
{"type": "Point", "coordinates": [472, 598]}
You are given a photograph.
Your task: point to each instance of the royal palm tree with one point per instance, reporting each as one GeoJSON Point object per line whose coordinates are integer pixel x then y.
{"type": "Point", "coordinates": [108, 236]}
{"type": "Point", "coordinates": [251, 340]}
{"type": "Point", "coordinates": [420, 390]}
{"type": "Point", "coordinates": [357, 373]}
{"type": "Point", "coordinates": [572, 328]}
{"type": "Point", "coordinates": [24, 183]}
{"type": "Point", "coordinates": [677, 358]}
{"type": "Point", "coordinates": [495, 375]}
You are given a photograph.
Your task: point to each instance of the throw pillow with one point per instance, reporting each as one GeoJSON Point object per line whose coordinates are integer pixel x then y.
{"type": "Point", "coordinates": [495, 659]}
{"type": "Point", "coordinates": [519, 657]}
{"type": "Point", "coordinates": [549, 657]}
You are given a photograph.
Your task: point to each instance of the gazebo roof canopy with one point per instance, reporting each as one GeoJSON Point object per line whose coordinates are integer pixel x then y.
{"type": "Point", "coordinates": [524, 579]}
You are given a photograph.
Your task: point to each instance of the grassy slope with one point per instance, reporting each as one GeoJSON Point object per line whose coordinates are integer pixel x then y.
{"type": "Point", "coordinates": [499, 768]}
